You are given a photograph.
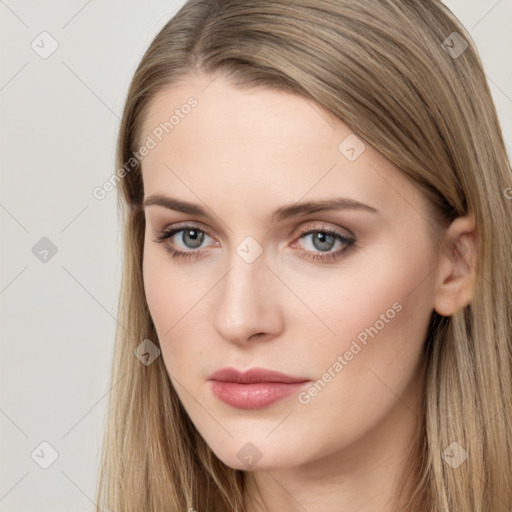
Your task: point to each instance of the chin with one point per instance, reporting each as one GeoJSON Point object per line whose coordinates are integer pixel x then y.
{"type": "Point", "coordinates": [252, 456]}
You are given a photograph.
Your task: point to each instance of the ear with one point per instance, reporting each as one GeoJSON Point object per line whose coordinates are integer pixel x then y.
{"type": "Point", "coordinates": [456, 267]}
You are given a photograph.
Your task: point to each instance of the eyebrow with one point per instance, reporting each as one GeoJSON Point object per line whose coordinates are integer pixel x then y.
{"type": "Point", "coordinates": [284, 212]}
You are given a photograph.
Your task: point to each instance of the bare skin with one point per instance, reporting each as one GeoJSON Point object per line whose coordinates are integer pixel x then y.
{"type": "Point", "coordinates": [240, 155]}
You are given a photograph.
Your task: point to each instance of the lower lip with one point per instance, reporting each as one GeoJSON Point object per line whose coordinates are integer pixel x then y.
{"type": "Point", "coordinates": [253, 396]}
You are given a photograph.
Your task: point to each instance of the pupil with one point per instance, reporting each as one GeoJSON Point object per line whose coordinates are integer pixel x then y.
{"type": "Point", "coordinates": [195, 236]}
{"type": "Point", "coordinates": [322, 239]}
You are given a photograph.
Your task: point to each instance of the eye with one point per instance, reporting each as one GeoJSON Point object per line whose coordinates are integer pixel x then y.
{"type": "Point", "coordinates": [322, 241]}
{"type": "Point", "coordinates": [191, 237]}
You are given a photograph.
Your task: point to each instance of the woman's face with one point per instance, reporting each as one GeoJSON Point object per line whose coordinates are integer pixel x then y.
{"type": "Point", "coordinates": [337, 298]}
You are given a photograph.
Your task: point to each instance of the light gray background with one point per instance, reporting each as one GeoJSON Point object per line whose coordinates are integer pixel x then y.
{"type": "Point", "coordinates": [58, 120]}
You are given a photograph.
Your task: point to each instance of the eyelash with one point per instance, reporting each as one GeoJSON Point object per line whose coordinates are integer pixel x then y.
{"type": "Point", "coordinates": [309, 255]}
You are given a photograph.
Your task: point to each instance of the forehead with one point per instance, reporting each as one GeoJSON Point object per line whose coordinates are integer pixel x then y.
{"type": "Point", "coordinates": [224, 112]}
{"type": "Point", "coordinates": [217, 139]}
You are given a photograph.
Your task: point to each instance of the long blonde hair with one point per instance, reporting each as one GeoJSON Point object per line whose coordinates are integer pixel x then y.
{"type": "Point", "coordinates": [398, 76]}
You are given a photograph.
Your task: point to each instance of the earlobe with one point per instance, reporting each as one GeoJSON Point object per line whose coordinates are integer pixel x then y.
{"type": "Point", "coordinates": [457, 267]}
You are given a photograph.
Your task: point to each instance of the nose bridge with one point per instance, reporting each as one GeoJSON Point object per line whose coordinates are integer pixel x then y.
{"type": "Point", "coordinates": [246, 304]}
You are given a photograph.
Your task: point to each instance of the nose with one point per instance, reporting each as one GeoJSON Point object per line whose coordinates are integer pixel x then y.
{"type": "Point", "coordinates": [248, 306]}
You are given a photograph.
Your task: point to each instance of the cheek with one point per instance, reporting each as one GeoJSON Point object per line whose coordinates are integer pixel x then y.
{"type": "Point", "coordinates": [157, 286]}
{"type": "Point", "coordinates": [380, 317]}
{"type": "Point", "coordinates": [171, 288]}
{"type": "Point", "coordinates": [166, 297]}
{"type": "Point", "coordinates": [387, 288]}
{"type": "Point", "coordinates": [368, 370]}
{"type": "Point", "coordinates": [175, 297]}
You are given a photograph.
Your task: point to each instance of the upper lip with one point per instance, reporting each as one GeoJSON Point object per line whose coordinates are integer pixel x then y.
{"type": "Point", "coordinates": [253, 375]}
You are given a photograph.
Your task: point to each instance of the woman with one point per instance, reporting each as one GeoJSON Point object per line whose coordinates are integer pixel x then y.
{"type": "Point", "coordinates": [315, 303]}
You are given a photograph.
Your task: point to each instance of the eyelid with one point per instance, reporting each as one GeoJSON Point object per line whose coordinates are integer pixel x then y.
{"type": "Point", "coordinates": [304, 229]}
{"type": "Point", "coordinates": [177, 228]}
{"type": "Point", "coordinates": [187, 224]}
{"type": "Point", "coordinates": [323, 226]}
{"type": "Point", "coordinates": [183, 226]}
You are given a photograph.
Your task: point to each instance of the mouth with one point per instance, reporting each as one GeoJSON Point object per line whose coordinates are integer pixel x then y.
{"type": "Point", "coordinates": [255, 388]}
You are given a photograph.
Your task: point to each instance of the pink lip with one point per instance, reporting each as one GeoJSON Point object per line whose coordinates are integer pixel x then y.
{"type": "Point", "coordinates": [255, 388]}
